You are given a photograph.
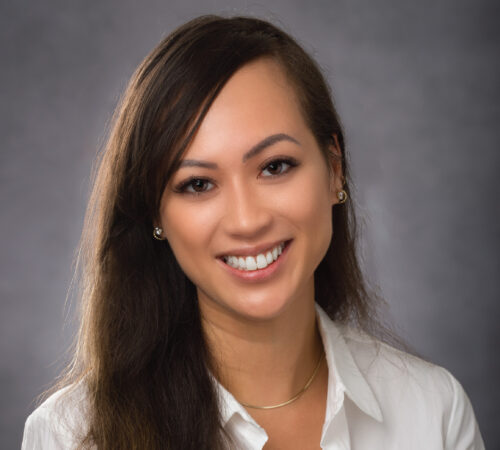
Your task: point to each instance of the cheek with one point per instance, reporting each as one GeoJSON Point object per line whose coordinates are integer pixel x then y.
{"type": "Point", "coordinates": [186, 229]}
{"type": "Point", "coordinates": [310, 209]}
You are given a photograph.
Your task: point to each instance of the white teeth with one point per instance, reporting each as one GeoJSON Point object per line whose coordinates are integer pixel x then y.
{"type": "Point", "coordinates": [251, 263]}
{"type": "Point", "coordinates": [261, 261]}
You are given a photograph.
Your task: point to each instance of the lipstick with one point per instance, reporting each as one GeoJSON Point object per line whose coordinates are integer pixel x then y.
{"type": "Point", "coordinates": [259, 274]}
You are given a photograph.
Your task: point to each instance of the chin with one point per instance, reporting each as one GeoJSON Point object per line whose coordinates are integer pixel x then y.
{"type": "Point", "coordinates": [260, 309]}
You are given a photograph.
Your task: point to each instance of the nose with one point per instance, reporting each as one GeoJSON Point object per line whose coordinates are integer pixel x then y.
{"type": "Point", "coordinates": [248, 214]}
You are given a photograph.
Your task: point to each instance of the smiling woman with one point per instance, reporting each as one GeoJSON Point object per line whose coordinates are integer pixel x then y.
{"type": "Point", "coordinates": [223, 304]}
{"type": "Point", "coordinates": [247, 203]}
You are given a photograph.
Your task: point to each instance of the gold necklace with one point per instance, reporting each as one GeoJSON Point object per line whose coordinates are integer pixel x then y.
{"type": "Point", "coordinates": [294, 397]}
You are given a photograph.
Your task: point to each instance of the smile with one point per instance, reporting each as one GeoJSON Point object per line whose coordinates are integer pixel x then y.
{"type": "Point", "coordinates": [257, 262]}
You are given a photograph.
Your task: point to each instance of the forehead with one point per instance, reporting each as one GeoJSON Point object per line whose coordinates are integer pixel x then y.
{"type": "Point", "coordinates": [256, 102]}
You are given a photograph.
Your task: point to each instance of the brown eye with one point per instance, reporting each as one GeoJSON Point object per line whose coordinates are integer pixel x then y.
{"type": "Point", "coordinates": [274, 167]}
{"type": "Point", "coordinates": [194, 186]}
{"type": "Point", "coordinates": [198, 185]}
{"type": "Point", "coordinates": [280, 166]}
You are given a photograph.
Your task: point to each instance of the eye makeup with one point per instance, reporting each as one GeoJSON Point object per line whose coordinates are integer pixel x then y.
{"type": "Point", "coordinates": [280, 161]}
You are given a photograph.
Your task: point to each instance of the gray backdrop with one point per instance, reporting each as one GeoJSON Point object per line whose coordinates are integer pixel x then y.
{"type": "Point", "coordinates": [416, 84]}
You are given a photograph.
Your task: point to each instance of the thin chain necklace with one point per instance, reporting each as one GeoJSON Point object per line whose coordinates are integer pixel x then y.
{"type": "Point", "coordinates": [294, 397]}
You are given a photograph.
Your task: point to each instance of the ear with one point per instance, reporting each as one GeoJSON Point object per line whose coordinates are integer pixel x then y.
{"type": "Point", "coordinates": [336, 175]}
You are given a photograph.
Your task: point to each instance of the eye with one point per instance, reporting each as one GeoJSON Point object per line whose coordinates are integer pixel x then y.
{"type": "Point", "coordinates": [277, 167]}
{"type": "Point", "coordinates": [198, 186]}
{"type": "Point", "coordinates": [194, 186]}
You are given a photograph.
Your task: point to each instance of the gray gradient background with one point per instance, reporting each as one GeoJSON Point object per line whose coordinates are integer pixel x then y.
{"type": "Point", "coordinates": [417, 87]}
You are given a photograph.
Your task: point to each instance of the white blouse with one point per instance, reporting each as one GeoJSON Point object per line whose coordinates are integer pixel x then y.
{"type": "Point", "coordinates": [378, 398]}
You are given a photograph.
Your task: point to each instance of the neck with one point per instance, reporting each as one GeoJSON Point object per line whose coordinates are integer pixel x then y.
{"type": "Point", "coordinates": [263, 362]}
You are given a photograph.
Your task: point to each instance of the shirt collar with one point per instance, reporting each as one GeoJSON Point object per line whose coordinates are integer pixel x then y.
{"type": "Point", "coordinates": [344, 376]}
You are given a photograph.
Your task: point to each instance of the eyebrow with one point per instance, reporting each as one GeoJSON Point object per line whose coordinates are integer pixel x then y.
{"type": "Point", "coordinates": [254, 151]}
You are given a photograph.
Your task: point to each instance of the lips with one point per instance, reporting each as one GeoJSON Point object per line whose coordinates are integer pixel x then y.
{"type": "Point", "coordinates": [258, 274]}
{"type": "Point", "coordinates": [260, 261]}
{"type": "Point", "coordinates": [252, 250]}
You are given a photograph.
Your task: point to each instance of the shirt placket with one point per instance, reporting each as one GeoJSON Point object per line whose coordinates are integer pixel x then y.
{"type": "Point", "coordinates": [248, 435]}
{"type": "Point", "coordinates": [336, 432]}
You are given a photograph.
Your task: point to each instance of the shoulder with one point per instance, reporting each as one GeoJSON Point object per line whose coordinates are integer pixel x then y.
{"type": "Point", "coordinates": [59, 422]}
{"type": "Point", "coordinates": [381, 362]}
{"type": "Point", "coordinates": [411, 389]}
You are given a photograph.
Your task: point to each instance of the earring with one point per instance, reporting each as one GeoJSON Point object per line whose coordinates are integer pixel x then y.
{"type": "Point", "coordinates": [157, 231]}
{"type": "Point", "coordinates": [342, 196]}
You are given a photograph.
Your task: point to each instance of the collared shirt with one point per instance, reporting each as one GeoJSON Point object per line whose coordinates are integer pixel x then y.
{"type": "Point", "coordinates": [378, 398]}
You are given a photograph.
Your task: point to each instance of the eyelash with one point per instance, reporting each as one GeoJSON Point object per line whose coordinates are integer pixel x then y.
{"type": "Point", "coordinates": [291, 162]}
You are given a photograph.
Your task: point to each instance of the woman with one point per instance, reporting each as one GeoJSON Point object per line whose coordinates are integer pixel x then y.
{"type": "Point", "coordinates": [223, 305]}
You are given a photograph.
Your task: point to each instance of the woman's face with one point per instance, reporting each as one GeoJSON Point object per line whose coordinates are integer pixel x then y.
{"type": "Point", "coordinates": [252, 178]}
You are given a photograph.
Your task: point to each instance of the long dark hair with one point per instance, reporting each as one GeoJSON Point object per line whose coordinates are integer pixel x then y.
{"type": "Point", "coordinates": [141, 349]}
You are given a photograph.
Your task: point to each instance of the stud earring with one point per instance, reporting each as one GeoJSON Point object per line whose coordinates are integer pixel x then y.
{"type": "Point", "coordinates": [342, 196]}
{"type": "Point", "coordinates": [157, 231]}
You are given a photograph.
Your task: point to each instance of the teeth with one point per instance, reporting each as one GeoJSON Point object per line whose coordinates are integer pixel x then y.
{"type": "Point", "coordinates": [261, 261]}
{"type": "Point", "coordinates": [251, 263]}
